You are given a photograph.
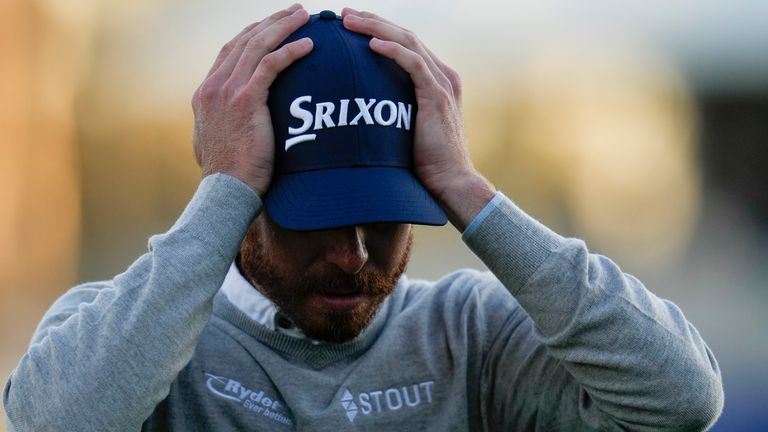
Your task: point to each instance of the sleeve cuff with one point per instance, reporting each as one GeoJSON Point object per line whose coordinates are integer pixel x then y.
{"type": "Point", "coordinates": [220, 212]}
{"type": "Point", "coordinates": [492, 204]}
{"type": "Point", "coordinates": [511, 243]}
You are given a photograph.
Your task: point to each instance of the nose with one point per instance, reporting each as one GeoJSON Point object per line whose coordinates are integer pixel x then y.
{"type": "Point", "coordinates": [345, 247]}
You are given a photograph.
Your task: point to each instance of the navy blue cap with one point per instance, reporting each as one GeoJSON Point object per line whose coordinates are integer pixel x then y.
{"type": "Point", "coordinates": [343, 119]}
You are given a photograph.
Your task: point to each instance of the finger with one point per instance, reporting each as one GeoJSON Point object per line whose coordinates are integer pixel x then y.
{"type": "Point", "coordinates": [231, 54]}
{"type": "Point", "coordinates": [384, 30]}
{"type": "Point", "coordinates": [450, 74]}
{"type": "Point", "coordinates": [223, 53]}
{"type": "Point", "coordinates": [262, 44]}
{"type": "Point", "coordinates": [349, 11]}
{"type": "Point", "coordinates": [412, 62]}
{"type": "Point", "coordinates": [228, 64]}
{"type": "Point", "coordinates": [227, 48]}
{"type": "Point", "coordinates": [274, 63]}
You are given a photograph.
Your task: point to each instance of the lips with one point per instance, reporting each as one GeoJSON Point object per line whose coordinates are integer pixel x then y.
{"type": "Point", "coordinates": [338, 287]}
{"type": "Point", "coordinates": [340, 302]}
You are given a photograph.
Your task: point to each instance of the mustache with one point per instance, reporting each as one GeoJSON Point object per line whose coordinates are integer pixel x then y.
{"type": "Point", "coordinates": [366, 282]}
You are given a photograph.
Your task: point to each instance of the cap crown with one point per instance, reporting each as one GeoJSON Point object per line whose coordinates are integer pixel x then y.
{"type": "Point", "coordinates": [342, 105]}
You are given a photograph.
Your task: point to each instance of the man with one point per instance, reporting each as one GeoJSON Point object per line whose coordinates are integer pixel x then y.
{"type": "Point", "coordinates": [299, 317]}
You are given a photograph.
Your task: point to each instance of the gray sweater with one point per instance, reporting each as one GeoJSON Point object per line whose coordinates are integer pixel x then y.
{"type": "Point", "coordinates": [554, 339]}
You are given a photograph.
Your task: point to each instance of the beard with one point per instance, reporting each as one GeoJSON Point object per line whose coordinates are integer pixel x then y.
{"type": "Point", "coordinates": [293, 291]}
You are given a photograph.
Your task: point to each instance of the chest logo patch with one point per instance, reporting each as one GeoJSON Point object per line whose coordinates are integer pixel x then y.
{"type": "Point", "coordinates": [379, 401]}
{"type": "Point", "coordinates": [254, 400]}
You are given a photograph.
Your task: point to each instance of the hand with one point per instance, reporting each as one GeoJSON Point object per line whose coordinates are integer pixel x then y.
{"type": "Point", "coordinates": [233, 130]}
{"type": "Point", "coordinates": [440, 154]}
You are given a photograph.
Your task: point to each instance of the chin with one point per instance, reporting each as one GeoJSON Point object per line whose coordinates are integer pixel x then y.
{"type": "Point", "coordinates": [339, 327]}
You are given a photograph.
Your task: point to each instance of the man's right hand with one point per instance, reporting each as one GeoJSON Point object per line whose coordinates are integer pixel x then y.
{"type": "Point", "coordinates": [233, 130]}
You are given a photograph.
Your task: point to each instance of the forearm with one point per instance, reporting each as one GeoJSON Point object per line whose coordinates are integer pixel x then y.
{"type": "Point", "coordinates": [108, 364]}
{"type": "Point", "coordinates": [635, 355]}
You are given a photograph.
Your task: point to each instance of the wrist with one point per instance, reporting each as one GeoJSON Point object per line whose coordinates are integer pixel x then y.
{"type": "Point", "coordinates": [257, 183]}
{"type": "Point", "coordinates": [463, 196]}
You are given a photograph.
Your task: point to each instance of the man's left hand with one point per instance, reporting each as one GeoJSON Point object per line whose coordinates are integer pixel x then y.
{"type": "Point", "coordinates": [441, 157]}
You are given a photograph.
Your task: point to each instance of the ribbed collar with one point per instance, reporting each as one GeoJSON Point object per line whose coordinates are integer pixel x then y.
{"type": "Point", "coordinates": [316, 355]}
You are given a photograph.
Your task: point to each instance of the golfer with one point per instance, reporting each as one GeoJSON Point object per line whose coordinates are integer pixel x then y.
{"type": "Point", "coordinates": [278, 300]}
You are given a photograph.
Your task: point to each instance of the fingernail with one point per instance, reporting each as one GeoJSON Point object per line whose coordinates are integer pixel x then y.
{"type": "Point", "coordinates": [294, 7]}
{"type": "Point", "coordinates": [298, 12]}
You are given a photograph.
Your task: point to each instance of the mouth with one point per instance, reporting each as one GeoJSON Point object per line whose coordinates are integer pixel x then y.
{"type": "Point", "coordinates": [340, 301]}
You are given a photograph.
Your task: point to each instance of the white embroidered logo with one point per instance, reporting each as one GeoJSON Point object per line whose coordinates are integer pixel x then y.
{"type": "Point", "coordinates": [349, 405]}
{"type": "Point", "coordinates": [257, 402]}
{"type": "Point", "coordinates": [391, 399]}
{"type": "Point", "coordinates": [385, 113]}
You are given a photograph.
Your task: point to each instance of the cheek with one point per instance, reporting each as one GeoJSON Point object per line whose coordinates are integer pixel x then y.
{"type": "Point", "coordinates": [296, 252]}
{"type": "Point", "coordinates": [266, 247]}
{"type": "Point", "coordinates": [390, 251]}
{"type": "Point", "coordinates": [292, 260]}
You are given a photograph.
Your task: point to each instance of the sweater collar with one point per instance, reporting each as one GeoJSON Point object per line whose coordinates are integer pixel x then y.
{"type": "Point", "coordinates": [316, 354]}
{"type": "Point", "coordinates": [256, 305]}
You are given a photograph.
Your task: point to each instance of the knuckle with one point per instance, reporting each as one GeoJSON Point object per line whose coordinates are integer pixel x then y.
{"type": "Point", "coordinates": [225, 50]}
{"type": "Point", "coordinates": [275, 17]}
{"type": "Point", "coordinates": [293, 50]}
{"type": "Point", "coordinates": [258, 79]}
{"type": "Point", "coordinates": [420, 64]}
{"type": "Point", "coordinates": [250, 26]}
{"type": "Point", "coordinates": [280, 14]}
{"type": "Point", "coordinates": [287, 52]}
{"type": "Point", "coordinates": [287, 20]}
{"type": "Point", "coordinates": [270, 61]}
{"type": "Point", "coordinates": [411, 39]}
{"type": "Point", "coordinates": [207, 93]}
{"type": "Point", "coordinates": [359, 22]}
{"type": "Point", "coordinates": [241, 43]}
{"type": "Point", "coordinates": [241, 99]}
{"type": "Point", "coordinates": [255, 43]}
{"type": "Point", "coordinates": [453, 76]}
{"type": "Point", "coordinates": [228, 89]}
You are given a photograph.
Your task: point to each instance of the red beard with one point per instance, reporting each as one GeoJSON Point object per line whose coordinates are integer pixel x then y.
{"type": "Point", "coordinates": [296, 294]}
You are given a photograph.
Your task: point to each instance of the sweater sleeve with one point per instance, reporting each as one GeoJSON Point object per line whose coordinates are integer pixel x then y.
{"type": "Point", "coordinates": [595, 350]}
{"type": "Point", "coordinates": [105, 354]}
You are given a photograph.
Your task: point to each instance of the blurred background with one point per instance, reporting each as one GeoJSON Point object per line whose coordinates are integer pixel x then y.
{"type": "Point", "coordinates": [641, 127]}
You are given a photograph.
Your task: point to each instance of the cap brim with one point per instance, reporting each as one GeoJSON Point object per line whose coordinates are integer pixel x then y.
{"type": "Point", "coordinates": [332, 198]}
